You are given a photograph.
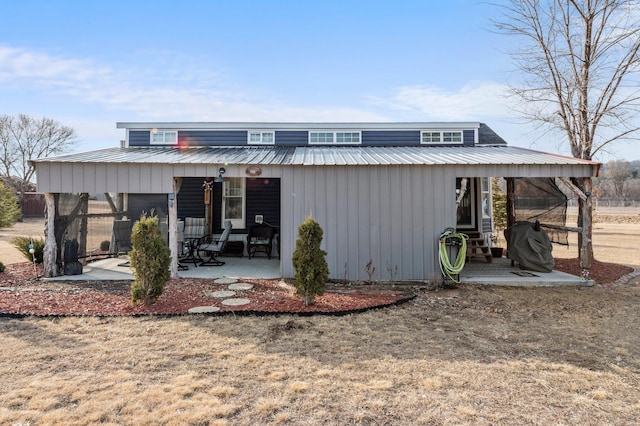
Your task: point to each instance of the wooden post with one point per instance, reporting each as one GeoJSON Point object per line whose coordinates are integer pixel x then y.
{"type": "Point", "coordinates": [50, 246]}
{"type": "Point", "coordinates": [586, 249]}
{"type": "Point", "coordinates": [173, 226]}
{"type": "Point", "coordinates": [511, 203]}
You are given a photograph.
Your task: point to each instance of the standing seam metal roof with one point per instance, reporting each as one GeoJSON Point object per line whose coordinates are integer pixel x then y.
{"type": "Point", "coordinates": [318, 156]}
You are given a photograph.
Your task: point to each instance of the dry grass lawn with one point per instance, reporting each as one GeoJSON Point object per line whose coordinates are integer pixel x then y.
{"type": "Point", "coordinates": [474, 355]}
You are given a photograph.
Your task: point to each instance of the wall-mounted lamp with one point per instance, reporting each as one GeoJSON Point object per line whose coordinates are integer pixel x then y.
{"type": "Point", "coordinates": [221, 171]}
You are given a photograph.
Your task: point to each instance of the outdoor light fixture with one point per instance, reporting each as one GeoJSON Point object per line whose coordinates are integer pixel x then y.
{"type": "Point", "coordinates": [221, 171]}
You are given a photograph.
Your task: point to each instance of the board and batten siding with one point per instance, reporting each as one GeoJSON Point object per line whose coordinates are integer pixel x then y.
{"type": "Point", "coordinates": [389, 215]}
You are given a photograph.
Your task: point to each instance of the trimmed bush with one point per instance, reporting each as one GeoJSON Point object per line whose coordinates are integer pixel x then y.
{"type": "Point", "coordinates": [9, 211]}
{"type": "Point", "coordinates": [150, 259]}
{"type": "Point", "coordinates": [23, 246]}
{"type": "Point", "coordinates": [309, 261]}
{"type": "Point", "coordinates": [104, 246]}
{"type": "Point", "coordinates": [1, 267]}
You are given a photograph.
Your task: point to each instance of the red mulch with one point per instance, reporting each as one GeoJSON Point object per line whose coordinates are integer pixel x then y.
{"type": "Point", "coordinates": [600, 272]}
{"type": "Point", "coordinates": [24, 294]}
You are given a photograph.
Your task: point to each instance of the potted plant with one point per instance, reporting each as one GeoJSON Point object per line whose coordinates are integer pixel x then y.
{"type": "Point", "coordinates": [496, 250]}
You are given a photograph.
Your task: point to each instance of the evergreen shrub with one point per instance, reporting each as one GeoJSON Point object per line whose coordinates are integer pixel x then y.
{"type": "Point", "coordinates": [309, 261]}
{"type": "Point", "coordinates": [23, 246]}
{"type": "Point", "coordinates": [150, 259]}
{"type": "Point", "coordinates": [9, 211]}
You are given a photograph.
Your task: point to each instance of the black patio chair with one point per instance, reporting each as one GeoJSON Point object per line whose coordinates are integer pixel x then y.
{"type": "Point", "coordinates": [260, 239]}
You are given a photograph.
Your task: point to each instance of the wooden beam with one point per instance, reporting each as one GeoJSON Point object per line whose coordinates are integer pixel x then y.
{"type": "Point", "coordinates": [573, 188]}
{"type": "Point", "coordinates": [562, 228]}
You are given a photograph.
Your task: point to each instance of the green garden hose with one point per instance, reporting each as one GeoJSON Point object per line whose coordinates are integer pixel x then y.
{"type": "Point", "coordinates": [451, 238]}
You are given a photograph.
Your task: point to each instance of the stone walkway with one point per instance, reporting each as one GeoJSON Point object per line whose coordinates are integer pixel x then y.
{"type": "Point", "coordinates": [227, 296]}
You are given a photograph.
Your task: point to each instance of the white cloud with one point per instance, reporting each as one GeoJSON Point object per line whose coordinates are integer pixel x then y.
{"type": "Point", "coordinates": [473, 102]}
{"type": "Point", "coordinates": [197, 95]}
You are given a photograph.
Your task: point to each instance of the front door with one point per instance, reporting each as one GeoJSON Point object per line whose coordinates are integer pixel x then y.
{"type": "Point", "coordinates": [465, 203]}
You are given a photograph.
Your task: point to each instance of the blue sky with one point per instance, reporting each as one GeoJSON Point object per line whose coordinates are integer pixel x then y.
{"type": "Point", "coordinates": [90, 64]}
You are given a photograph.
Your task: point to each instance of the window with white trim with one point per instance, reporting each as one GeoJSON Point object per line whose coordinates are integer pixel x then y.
{"type": "Point", "coordinates": [261, 138]}
{"type": "Point", "coordinates": [439, 136]}
{"type": "Point", "coordinates": [163, 137]}
{"type": "Point", "coordinates": [233, 202]}
{"type": "Point", "coordinates": [329, 138]}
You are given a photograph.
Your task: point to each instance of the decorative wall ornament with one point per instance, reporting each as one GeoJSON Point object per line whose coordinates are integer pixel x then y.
{"type": "Point", "coordinates": [253, 171]}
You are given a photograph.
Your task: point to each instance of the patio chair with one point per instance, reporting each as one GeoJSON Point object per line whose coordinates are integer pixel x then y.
{"type": "Point", "coordinates": [194, 234]}
{"type": "Point", "coordinates": [122, 236]}
{"type": "Point", "coordinates": [260, 239]}
{"type": "Point", "coordinates": [214, 249]}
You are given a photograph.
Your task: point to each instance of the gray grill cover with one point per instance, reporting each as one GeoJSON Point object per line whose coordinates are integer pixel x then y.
{"type": "Point", "coordinates": [530, 247]}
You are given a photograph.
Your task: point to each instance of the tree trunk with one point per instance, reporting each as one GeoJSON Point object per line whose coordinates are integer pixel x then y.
{"type": "Point", "coordinates": [173, 227]}
{"type": "Point", "coordinates": [50, 247]}
{"type": "Point", "coordinates": [585, 220]}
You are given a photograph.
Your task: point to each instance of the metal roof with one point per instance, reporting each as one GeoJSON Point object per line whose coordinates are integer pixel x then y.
{"type": "Point", "coordinates": [320, 156]}
{"type": "Point", "coordinates": [417, 125]}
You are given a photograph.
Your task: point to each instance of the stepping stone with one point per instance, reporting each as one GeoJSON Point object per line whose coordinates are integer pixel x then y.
{"type": "Point", "coordinates": [225, 281]}
{"type": "Point", "coordinates": [203, 309]}
{"type": "Point", "coordinates": [240, 286]}
{"type": "Point", "coordinates": [235, 302]}
{"type": "Point", "coordinates": [221, 294]}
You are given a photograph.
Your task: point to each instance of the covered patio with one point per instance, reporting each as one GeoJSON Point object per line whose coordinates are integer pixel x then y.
{"type": "Point", "coordinates": [499, 272]}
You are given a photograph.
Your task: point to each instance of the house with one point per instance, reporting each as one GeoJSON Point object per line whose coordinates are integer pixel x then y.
{"type": "Point", "coordinates": [382, 192]}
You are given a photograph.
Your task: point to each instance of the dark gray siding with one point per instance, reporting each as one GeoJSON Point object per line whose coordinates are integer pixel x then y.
{"type": "Point", "coordinates": [468, 137]}
{"type": "Point", "coordinates": [292, 137]}
{"type": "Point", "coordinates": [139, 137]}
{"type": "Point", "coordinates": [390, 137]}
{"type": "Point", "coordinates": [486, 136]}
{"type": "Point", "coordinates": [212, 137]}
{"type": "Point", "coordinates": [191, 198]}
{"type": "Point", "coordinates": [263, 197]}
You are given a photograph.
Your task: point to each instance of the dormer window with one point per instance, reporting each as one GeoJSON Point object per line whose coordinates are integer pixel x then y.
{"type": "Point", "coordinates": [441, 137]}
{"type": "Point", "coordinates": [261, 138]}
{"type": "Point", "coordinates": [334, 138]}
{"type": "Point", "coordinates": [159, 137]}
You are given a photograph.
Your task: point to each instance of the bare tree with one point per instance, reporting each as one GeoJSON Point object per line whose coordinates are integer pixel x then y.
{"type": "Point", "coordinates": [580, 64]}
{"type": "Point", "coordinates": [619, 173]}
{"type": "Point", "coordinates": [23, 138]}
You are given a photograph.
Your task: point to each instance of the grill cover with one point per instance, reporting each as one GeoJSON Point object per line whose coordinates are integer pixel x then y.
{"type": "Point", "coordinates": [529, 245]}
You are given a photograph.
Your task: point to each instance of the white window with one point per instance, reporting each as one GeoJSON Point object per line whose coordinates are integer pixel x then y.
{"type": "Point", "coordinates": [328, 138]}
{"type": "Point", "coordinates": [261, 138]}
{"type": "Point", "coordinates": [233, 202]}
{"type": "Point", "coordinates": [443, 137]}
{"type": "Point", "coordinates": [164, 137]}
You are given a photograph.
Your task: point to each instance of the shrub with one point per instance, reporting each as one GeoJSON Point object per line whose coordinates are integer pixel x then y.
{"type": "Point", "coordinates": [309, 261]}
{"type": "Point", "coordinates": [9, 211]}
{"type": "Point", "coordinates": [150, 259]}
{"type": "Point", "coordinates": [23, 244]}
{"type": "Point", "coordinates": [104, 246]}
{"type": "Point", "coordinates": [499, 205]}
{"type": "Point", "coordinates": [1, 267]}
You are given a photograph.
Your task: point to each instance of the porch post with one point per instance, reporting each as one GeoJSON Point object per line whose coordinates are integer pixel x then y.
{"type": "Point", "coordinates": [511, 203]}
{"type": "Point", "coordinates": [50, 247]}
{"type": "Point", "coordinates": [587, 212]}
{"type": "Point", "coordinates": [173, 226]}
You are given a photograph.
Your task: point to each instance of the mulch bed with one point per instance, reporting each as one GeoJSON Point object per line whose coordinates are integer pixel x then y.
{"type": "Point", "coordinates": [23, 294]}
